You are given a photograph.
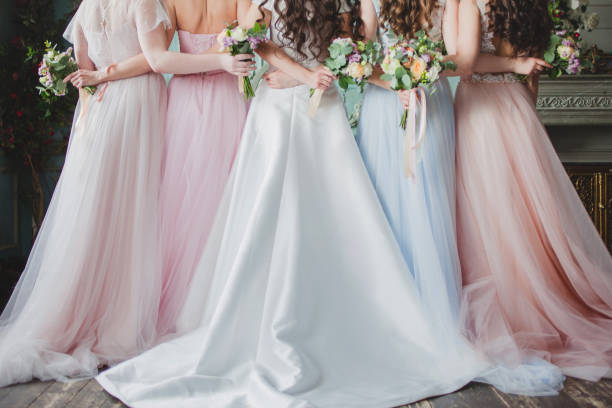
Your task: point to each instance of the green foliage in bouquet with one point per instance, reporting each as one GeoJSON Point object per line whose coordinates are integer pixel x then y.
{"type": "Point", "coordinates": [353, 62]}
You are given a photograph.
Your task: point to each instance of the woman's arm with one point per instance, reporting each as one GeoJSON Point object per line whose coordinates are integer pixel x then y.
{"type": "Point", "coordinates": [468, 57]}
{"type": "Point", "coordinates": [370, 20]}
{"type": "Point", "coordinates": [154, 46]}
{"type": "Point", "coordinates": [450, 25]}
{"type": "Point", "coordinates": [320, 78]}
{"type": "Point", "coordinates": [81, 49]}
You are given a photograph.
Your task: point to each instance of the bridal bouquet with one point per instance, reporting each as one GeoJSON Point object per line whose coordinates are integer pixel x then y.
{"type": "Point", "coordinates": [410, 63]}
{"type": "Point", "coordinates": [237, 40]}
{"type": "Point", "coordinates": [54, 67]}
{"type": "Point", "coordinates": [352, 62]}
{"type": "Point", "coordinates": [413, 64]}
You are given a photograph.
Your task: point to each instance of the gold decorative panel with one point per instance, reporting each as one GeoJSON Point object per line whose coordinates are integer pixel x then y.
{"type": "Point", "coordinates": [594, 186]}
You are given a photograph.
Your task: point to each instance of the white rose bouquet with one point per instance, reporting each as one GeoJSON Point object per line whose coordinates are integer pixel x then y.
{"type": "Point", "coordinates": [352, 62]}
{"type": "Point", "coordinates": [237, 40]}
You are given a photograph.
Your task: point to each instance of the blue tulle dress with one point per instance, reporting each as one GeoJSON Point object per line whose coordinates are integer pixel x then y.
{"type": "Point", "coordinates": [421, 212]}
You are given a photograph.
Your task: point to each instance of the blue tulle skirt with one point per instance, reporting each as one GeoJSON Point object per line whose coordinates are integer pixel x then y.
{"type": "Point", "coordinates": [420, 210]}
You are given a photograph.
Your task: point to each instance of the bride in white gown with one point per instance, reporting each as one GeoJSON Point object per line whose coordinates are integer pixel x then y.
{"type": "Point", "coordinates": [302, 297]}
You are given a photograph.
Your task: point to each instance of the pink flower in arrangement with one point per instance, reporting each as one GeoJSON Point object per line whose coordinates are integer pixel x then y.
{"type": "Point", "coordinates": [255, 41]}
{"type": "Point", "coordinates": [354, 58]}
{"type": "Point", "coordinates": [19, 113]}
{"type": "Point", "coordinates": [227, 42]}
{"type": "Point", "coordinates": [12, 138]}
{"type": "Point", "coordinates": [15, 76]}
{"type": "Point", "coordinates": [426, 58]}
{"type": "Point", "coordinates": [13, 95]}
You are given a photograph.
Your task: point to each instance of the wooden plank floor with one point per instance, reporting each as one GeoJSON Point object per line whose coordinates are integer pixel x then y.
{"type": "Point", "coordinates": [88, 394]}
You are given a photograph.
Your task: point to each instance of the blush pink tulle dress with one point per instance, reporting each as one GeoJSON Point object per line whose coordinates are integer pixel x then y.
{"type": "Point", "coordinates": [89, 294]}
{"type": "Point", "coordinates": [537, 276]}
{"type": "Point", "coordinates": [206, 115]}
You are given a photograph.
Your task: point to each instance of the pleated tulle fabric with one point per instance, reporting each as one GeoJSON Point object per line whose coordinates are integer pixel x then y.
{"type": "Point", "coordinates": [537, 276]}
{"type": "Point", "coordinates": [90, 292]}
{"type": "Point", "coordinates": [421, 211]}
{"type": "Point", "coordinates": [206, 115]}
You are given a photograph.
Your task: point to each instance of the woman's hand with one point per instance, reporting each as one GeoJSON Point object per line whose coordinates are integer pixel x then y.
{"type": "Point", "coordinates": [320, 78]}
{"type": "Point", "coordinates": [404, 96]}
{"type": "Point", "coordinates": [85, 77]}
{"type": "Point", "coordinates": [240, 65]}
{"type": "Point", "coordinates": [279, 80]}
{"type": "Point", "coordinates": [530, 66]}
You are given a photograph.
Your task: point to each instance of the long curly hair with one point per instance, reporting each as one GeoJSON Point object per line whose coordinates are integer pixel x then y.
{"type": "Point", "coordinates": [309, 26]}
{"type": "Point", "coordinates": [524, 24]}
{"type": "Point", "coordinates": [406, 17]}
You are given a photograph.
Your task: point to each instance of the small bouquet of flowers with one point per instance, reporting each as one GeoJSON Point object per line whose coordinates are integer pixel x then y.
{"type": "Point", "coordinates": [54, 67]}
{"type": "Point", "coordinates": [563, 54]}
{"type": "Point", "coordinates": [353, 63]}
{"type": "Point", "coordinates": [237, 40]}
{"type": "Point", "coordinates": [410, 64]}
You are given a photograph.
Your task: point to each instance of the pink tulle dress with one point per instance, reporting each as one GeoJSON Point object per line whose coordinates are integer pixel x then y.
{"type": "Point", "coordinates": [89, 294]}
{"type": "Point", "coordinates": [206, 115]}
{"type": "Point", "coordinates": [537, 276]}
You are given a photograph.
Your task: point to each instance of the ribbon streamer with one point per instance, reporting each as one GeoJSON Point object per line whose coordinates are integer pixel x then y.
{"type": "Point", "coordinates": [410, 144]}
{"type": "Point", "coordinates": [241, 85]}
{"type": "Point", "coordinates": [84, 97]}
{"type": "Point", "coordinates": [315, 101]}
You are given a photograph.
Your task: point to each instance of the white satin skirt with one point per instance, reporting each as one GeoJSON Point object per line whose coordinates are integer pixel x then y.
{"type": "Point", "coordinates": [302, 297]}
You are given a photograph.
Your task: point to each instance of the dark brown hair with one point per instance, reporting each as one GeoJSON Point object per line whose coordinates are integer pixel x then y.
{"type": "Point", "coordinates": [524, 24]}
{"type": "Point", "coordinates": [405, 17]}
{"type": "Point", "coordinates": [304, 30]}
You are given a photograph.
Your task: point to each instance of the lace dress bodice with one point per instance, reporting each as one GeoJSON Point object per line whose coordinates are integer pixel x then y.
{"type": "Point", "coordinates": [111, 27]}
{"type": "Point", "coordinates": [488, 47]}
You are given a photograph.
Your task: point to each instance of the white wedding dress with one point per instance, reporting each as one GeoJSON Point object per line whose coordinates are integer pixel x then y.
{"type": "Point", "coordinates": [302, 297]}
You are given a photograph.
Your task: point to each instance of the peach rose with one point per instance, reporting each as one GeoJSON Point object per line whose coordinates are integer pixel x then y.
{"type": "Point", "coordinates": [417, 68]}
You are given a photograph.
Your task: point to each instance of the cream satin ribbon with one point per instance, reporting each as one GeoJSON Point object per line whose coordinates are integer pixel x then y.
{"type": "Point", "coordinates": [315, 101]}
{"type": "Point", "coordinates": [410, 144]}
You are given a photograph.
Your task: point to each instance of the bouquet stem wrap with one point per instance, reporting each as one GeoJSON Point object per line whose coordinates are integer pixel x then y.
{"type": "Point", "coordinates": [413, 142]}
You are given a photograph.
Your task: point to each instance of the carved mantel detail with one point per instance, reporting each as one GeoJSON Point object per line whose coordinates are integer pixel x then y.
{"type": "Point", "coordinates": [576, 100]}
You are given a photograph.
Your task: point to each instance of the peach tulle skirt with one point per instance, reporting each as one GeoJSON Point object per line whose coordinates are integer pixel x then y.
{"type": "Point", "coordinates": [537, 276]}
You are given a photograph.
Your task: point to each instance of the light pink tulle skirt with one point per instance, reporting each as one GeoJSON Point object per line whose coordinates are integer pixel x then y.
{"type": "Point", "coordinates": [89, 293]}
{"type": "Point", "coordinates": [206, 115]}
{"type": "Point", "coordinates": [537, 276]}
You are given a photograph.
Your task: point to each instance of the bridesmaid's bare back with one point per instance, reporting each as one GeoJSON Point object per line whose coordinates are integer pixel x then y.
{"type": "Point", "coordinates": [204, 16]}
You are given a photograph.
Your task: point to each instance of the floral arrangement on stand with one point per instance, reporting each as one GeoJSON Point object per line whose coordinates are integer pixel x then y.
{"type": "Point", "coordinates": [31, 127]}
{"type": "Point", "coordinates": [567, 51]}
